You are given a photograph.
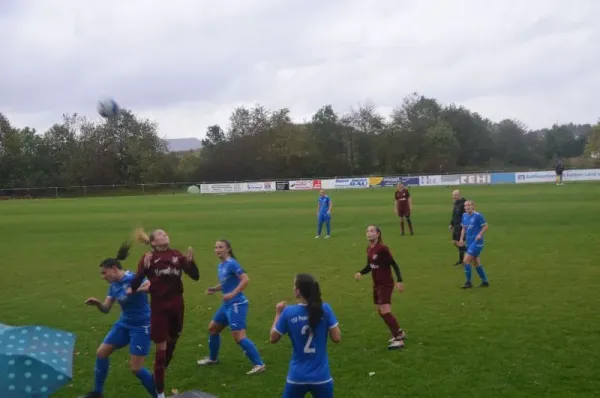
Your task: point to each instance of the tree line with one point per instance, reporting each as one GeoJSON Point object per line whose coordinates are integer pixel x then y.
{"type": "Point", "coordinates": [420, 136]}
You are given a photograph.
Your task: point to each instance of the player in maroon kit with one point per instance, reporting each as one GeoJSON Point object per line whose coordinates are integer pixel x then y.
{"type": "Point", "coordinates": [164, 268]}
{"type": "Point", "coordinates": [403, 207]}
{"type": "Point", "coordinates": [380, 263]}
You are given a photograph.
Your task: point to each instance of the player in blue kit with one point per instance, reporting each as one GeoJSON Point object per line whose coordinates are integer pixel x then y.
{"type": "Point", "coordinates": [323, 214]}
{"type": "Point", "coordinates": [473, 228]}
{"type": "Point", "coordinates": [308, 323]}
{"type": "Point", "coordinates": [131, 329]}
{"type": "Point", "coordinates": [234, 310]}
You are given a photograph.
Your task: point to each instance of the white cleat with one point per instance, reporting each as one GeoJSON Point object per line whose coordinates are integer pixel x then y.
{"type": "Point", "coordinates": [396, 345]}
{"type": "Point", "coordinates": [328, 236]}
{"type": "Point", "coordinates": [257, 369]}
{"type": "Point", "coordinates": [206, 361]}
{"type": "Point", "coordinates": [317, 237]}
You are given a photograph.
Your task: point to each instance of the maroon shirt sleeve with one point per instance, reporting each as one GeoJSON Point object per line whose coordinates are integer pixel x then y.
{"type": "Point", "coordinates": [189, 267]}
{"type": "Point", "coordinates": [139, 276]}
{"type": "Point", "coordinates": [407, 193]}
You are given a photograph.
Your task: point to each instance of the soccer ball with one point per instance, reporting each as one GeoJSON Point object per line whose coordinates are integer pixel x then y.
{"type": "Point", "coordinates": [108, 108]}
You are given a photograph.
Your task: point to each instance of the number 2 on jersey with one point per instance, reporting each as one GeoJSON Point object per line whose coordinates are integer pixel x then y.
{"type": "Point", "coordinates": [307, 348]}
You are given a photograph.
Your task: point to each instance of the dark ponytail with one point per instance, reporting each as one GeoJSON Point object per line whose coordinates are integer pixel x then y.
{"type": "Point", "coordinates": [311, 292]}
{"type": "Point", "coordinates": [122, 254]}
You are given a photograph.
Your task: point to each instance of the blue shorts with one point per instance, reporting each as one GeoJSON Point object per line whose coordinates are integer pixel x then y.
{"type": "Point", "coordinates": [324, 217]}
{"type": "Point", "coordinates": [137, 337]}
{"type": "Point", "coordinates": [475, 249]}
{"type": "Point", "coordinates": [233, 315]}
{"type": "Point", "coordinates": [324, 390]}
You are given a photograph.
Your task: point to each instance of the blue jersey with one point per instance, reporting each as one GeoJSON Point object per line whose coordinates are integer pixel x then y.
{"type": "Point", "coordinates": [473, 224]}
{"type": "Point", "coordinates": [135, 309]}
{"type": "Point", "coordinates": [229, 271]}
{"type": "Point", "coordinates": [324, 202]}
{"type": "Point", "coordinates": [310, 362]}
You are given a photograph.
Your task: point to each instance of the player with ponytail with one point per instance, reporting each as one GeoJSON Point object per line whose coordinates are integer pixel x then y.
{"type": "Point", "coordinates": [308, 324]}
{"type": "Point", "coordinates": [233, 311]}
{"type": "Point", "coordinates": [131, 328]}
{"type": "Point", "coordinates": [164, 267]}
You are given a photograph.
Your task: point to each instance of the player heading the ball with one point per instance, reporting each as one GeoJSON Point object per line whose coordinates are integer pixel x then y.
{"type": "Point", "coordinates": [164, 267]}
{"type": "Point", "coordinates": [308, 323]}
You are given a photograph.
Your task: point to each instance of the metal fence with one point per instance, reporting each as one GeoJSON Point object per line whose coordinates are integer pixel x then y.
{"type": "Point", "coordinates": [156, 188]}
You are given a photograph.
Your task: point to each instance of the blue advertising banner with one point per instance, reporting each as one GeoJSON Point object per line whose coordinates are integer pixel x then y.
{"type": "Point", "coordinates": [503, 178]}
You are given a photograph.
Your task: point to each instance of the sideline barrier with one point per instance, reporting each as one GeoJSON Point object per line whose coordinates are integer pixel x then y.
{"type": "Point", "coordinates": [527, 177]}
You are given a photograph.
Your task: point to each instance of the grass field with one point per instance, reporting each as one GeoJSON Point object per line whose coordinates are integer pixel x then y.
{"type": "Point", "coordinates": [535, 332]}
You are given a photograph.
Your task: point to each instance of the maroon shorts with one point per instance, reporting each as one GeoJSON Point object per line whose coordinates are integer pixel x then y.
{"type": "Point", "coordinates": [166, 321]}
{"type": "Point", "coordinates": [402, 212]}
{"type": "Point", "coordinates": [383, 294]}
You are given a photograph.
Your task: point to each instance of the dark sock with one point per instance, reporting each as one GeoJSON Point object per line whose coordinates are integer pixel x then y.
{"type": "Point", "coordinates": [392, 324]}
{"type": "Point", "coordinates": [461, 254]}
{"type": "Point", "coordinates": [402, 226]}
{"type": "Point", "coordinates": [410, 226]}
{"type": "Point", "coordinates": [159, 370]}
{"type": "Point", "coordinates": [169, 354]}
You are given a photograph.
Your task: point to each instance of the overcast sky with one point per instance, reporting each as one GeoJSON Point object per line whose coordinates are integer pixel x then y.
{"type": "Point", "coordinates": [188, 63]}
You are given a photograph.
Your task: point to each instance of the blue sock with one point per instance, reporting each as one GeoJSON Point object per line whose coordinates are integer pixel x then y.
{"type": "Point", "coordinates": [481, 273]}
{"type": "Point", "coordinates": [251, 351]}
{"type": "Point", "coordinates": [468, 272]}
{"type": "Point", "coordinates": [214, 343]}
{"type": "Point", "coordinates": [147, 381]}
{"type": "Point", "coordinates": [101, 372]}
{"type": "Point", "coordinates": [319, 227]}
{"type": "Point", "coordinates": [328, 225]}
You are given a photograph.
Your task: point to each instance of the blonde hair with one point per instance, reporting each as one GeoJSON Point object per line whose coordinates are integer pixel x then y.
{"type": "Point", "coordinates": [141, 236]}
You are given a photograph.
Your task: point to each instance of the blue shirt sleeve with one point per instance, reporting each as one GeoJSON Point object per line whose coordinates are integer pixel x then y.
{"type": "Point", "coordinates": [329, 316]}
{"type": "Point", "coordinates": [111, 291]}
{"type": "Point", "coordinates": [235, 268]}
{"type": "Point", "coordinates": [481, 220]}
{"type": "Point", "coordinates": [282, 323]}
{"type": "Point", "coordinates": [327, 202]}
{"type": "Point", "coordinates": [463, 222]}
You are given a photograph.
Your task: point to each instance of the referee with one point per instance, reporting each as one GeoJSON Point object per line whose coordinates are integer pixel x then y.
{"type": "Point", "coordinates": [456, 224]}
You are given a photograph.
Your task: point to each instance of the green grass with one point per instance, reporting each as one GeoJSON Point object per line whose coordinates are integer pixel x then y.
{"type": "Point", "coordinates": [535, 332]}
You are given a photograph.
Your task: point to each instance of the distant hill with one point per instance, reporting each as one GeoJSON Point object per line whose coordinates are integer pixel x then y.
{"type": "Point", "coordinates": [184, 144]}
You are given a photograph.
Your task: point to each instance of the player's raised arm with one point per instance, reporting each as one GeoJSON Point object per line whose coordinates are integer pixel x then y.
{"type": "Point", "coordinates": [279, 327]}
{"type": "Point", "coordinates": [189, 265]}
{"type": "Point", "coordinates": [140, 274]}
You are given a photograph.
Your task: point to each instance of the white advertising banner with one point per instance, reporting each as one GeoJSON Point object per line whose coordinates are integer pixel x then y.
{"type": "Point", "coordinates": [550, 176]}
{"type": "Point", "coordinates": [430, 181]}
{"type": "Point", "coordinates": [260, 186]}
{"type": "Point", "coordinates": [229, 187]}
{"type": "Point", "coordinates": [351, 183]}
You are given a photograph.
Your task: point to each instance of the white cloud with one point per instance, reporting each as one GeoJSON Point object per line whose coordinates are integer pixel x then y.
{"type": "Point", "coordinates": [188, 64]}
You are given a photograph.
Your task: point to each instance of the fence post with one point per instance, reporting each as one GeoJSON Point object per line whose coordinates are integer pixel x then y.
{"type": "Point", "coordinates": [56, 191]}
{"type": "Point", "coordinates": [143, 190]}
{"type": "Point", "coordinates": [84, 191]}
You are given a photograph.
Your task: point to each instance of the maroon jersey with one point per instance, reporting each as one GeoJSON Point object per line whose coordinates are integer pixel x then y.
{"type": "Point", "coordinates": [164, 273]}
{"type": "Point", "coordinates": [402, 198]}
{"type": "Point", "coordinates": [380, 260]}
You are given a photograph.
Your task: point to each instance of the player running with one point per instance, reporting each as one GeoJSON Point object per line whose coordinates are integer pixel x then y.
{"type": "Point", "coordinates": [308, 324]}
{"type": "Point", "coordinates": [456, 224]}
{"type": "Point", "coordinates": [131, 329]}
{"type": "Point", "coordinates": [324, 205]}
{"type": "Point", "coordinates": [380, 263]}
{"type": "Point", "coordinates": [403, 207]}
{"type": "Point", "coordinates": [473, 228]}
{"type": "Point", "coordinates": [234, 310]}
{"type": "Point", "coordinates": [164, 268]}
